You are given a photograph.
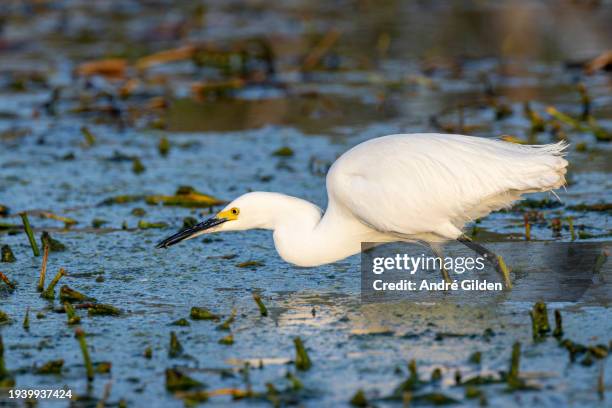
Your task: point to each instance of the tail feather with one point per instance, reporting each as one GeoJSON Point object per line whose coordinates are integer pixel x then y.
{"type": "Point", "coordinates": [528, 169]}
{"type": "Point", "coordinates": [543, 169]}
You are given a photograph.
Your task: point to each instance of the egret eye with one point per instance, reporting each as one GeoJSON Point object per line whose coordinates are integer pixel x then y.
{"type": "Point", "coordinates": [235, 211]}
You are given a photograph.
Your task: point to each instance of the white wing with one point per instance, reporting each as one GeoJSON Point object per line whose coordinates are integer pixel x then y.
{"type": "Point", "coordinates": [418, 184]}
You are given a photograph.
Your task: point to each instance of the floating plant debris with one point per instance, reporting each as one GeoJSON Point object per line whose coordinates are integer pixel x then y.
{"type": "Point", "coordinates": [602, 62]}
{"type": "Point", "coordinates": [29, 233]}
{"type": "Point", "coordinates": [137, 166]}
{"type": "Point", "coordinates": [598, 351]}
{"type": "Point", "coordinates": [513, 380]}
{"type": "Point", "coordinates": [475, 358]}
{"type": "Point", "coordinates": [201, 313]}
{"type": "Point", "coordinates": [164, 146]}
{"type": "Point", "coordinates": [227, 340]}
{"type": "Point", "coordinates": [302, 361]}
{"type": "Point", "coordinates": [250, 264]}
{"type": "Point", "coordinates": [472, 392]}
{"type": "Point", "coordinates": [539, 321]}
{"type": "Point", "coordinates": [163, 57]}
{"type": "Point", "coordinates": [90, 138]}
{"type": "Point", "coordinates": [193, 397]}
{"type": "Point", "coordinates": [4, 318]}
{"type": "Point", "coordinates": [359, 399]}
{"type": "Point", "coordinates": [185, 196]}
{"type": "Point", "coordinates": [226, 324]}
{"type": "Point", "coordinates": [100, 309]}
{"type": "Point", "coordinates": [148, 353]}
{"type": "Point", "coordinates": [180, 322]}
{"type": "Point", "coordinates": [537, 122]}
{"type": "Point", "coordinates": [283, 152]}
{"type": "Point", "coordinates": [111, 67]}
{"type": "Point", "coordinates": [73, 318]}
{"type": "Point", "coordinates": [68, 222]}
{"type": "Point", "coordinates": [53, 244]}
{"type": "Point", "coordinates": [98, 222]}
{"type": "Point", "coordinates": [262, 308]}
{"type": "Point", "coordinates": [67, 294]}
{"type": "Point", "coordinates": [582, 126]}
{"type": "Point", "coordinates": [50, 367]}
{"type": "Point", "coordinates": [175, 349]}
{"type": "Point", "coordinates": [7, 254]}
{"type": "Point", "coordinates": [138, 212]}
{"type": "Point", "coordinates": [574, 349]}
{"type": "Point", "coordinates": [177, 381]}
{"type": "Point", "coordinates": [6, 379]}
{"type": "Point", "coordinates": [148, 225]}
{"type": "Point", "coordinates": [411, 384]}
{"type": "Point", "coordinates": [103, 367]}
{"type": "Point", "coordinates": [121, 199]}
{"type": "Point", "coordinates": [26, 320]}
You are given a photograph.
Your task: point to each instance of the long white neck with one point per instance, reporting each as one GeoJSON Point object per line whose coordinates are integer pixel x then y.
{"type": "Point", "coordinates": [304, 238]}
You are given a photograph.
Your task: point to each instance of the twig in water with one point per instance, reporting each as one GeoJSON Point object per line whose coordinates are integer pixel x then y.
{"type": "Point", "coordinates": [7, 281]}
{"type": "Point", "coordinates": [558, 332]}
{"type": "Point", "coordinates": [302, 361]}
{"type": "Point", "coordinates": [505, 271]}
{"type": "Point", "coordinates": [73, 318]}
{"type": "Point", "coordinates": [29, 233]}
{"type": "Point", "coordinates": [176, 349]}
{"type": "Point", "coordinates": [539, 321]}
{"type": "Point", "coordinates": [262, 308]}
{"type": "Point", "coordinates": [26, 320]}
{"type": "Point", "coordinates": [80, 335]}
{"type": "Point", "coordinates": [515, 360]}
{"type": "Point", "coordinates": [570, 221]}
{"type": "Point", "coordinates": [43, 269]}
{"type": "Point", "coordinates": [49, 293]}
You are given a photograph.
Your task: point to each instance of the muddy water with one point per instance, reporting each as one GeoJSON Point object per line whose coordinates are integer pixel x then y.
{"type": "Point", "coordinates": [394, 68]}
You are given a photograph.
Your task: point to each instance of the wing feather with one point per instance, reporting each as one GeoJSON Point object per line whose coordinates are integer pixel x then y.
{"type": "Point", "coordinates": [433, 183]}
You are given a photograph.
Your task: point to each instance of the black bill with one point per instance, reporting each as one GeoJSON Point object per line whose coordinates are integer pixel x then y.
{"type": "Point", "coordinates": [190, 232]}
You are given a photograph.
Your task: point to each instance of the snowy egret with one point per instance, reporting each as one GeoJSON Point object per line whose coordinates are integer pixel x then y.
{"type": "Point", "coordinates": [407, 187]}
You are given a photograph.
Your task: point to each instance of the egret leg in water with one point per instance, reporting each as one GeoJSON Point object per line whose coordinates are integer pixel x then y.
{"type": "Point", "coordinates": [437, 251]}
{"type": "Point", "coordinates": [482, 251]}
{"type": "Point", "coordinates": [408, 187]}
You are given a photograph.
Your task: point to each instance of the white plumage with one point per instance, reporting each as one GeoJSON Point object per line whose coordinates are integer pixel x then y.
{"type": "Point", "coordinates": [434, 183]}
{"type": "Point", "coordinates": [410, 187]}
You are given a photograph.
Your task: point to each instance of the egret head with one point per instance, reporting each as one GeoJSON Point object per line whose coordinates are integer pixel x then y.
{"type": "Point", "coordinates": [249, 211]}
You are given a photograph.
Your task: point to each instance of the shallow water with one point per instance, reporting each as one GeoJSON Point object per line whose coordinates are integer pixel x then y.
{"type": "Point", "coordinates": [223, 145]}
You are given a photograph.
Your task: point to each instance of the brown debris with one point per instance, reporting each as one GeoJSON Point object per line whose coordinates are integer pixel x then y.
{"type": "Point", "coordinates": [602, 62]}
{"type": "Point", "coordinates": [162, 57]}
{"type": "Point", "coordinates": [322, 48]}
{"type": "Point", "coordinates": [112, 68]}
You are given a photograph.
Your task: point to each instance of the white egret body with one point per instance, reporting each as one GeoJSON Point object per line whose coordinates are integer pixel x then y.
{"type": "Point", "coordinates": [410, 187]}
